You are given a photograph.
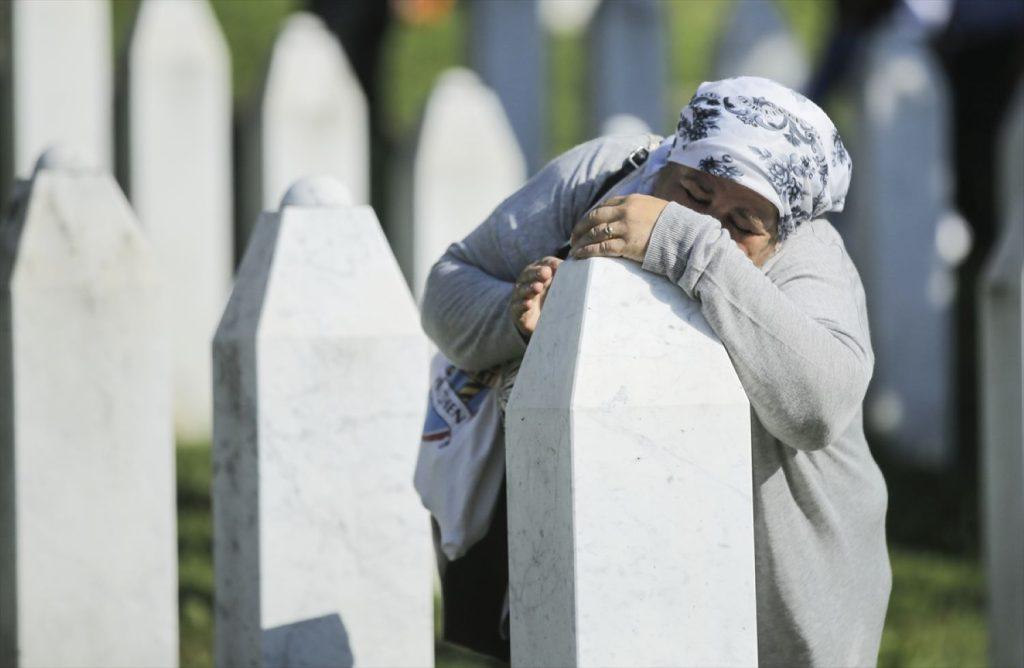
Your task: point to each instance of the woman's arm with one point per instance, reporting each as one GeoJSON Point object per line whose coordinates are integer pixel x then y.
{"type": "Point", "coordinates": [798, 340]}
{"type": "Point", "coordinates": [466, 299]}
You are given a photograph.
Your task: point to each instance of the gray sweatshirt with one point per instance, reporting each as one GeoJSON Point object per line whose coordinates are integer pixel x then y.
{"type": "Point", "coordinates": [797, 333]}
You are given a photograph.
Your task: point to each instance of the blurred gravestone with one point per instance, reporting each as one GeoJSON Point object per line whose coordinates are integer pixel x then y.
{"type": "Point", "coordinates": [466, 162]}
{"type": "Point", "coordinates": [88, 575]}
{"type": "Point", "coordinates": [59, 78]}
{"type": "Point", "coordinates": [627, 62]}
{"type": "Point", "coordinates": [313, 119]}
{"type": "Point", "coordinates": [630, 509]}
{"type": "Point", "coordinates": [566, 16]}
{"type": "Point", "coordinates": [180, 155]}
{"type": "Point", "coordinates": [322, 551]}
{"type": "Point", "coordinates": [1002, 398]}
{"type": "Point", "coordinates": [624, 124]}
{"type": "Point", "coordinates": [506, 48]}
{"type": "Point", "coordinates": [757, 42]}
{"type": "Point", "coordinates": [906, 241]}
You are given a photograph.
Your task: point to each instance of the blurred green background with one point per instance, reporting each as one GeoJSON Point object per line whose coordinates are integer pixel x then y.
{"type": "Point", "coordinates": [936, 614]}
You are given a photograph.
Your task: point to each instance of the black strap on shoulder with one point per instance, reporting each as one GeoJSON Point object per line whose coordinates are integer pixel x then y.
{"type": "Point", "coordinates": [632, 163]}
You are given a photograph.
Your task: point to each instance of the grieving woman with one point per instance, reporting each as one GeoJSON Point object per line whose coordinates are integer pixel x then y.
{"type": "Point", "coordinates": [729, 209]}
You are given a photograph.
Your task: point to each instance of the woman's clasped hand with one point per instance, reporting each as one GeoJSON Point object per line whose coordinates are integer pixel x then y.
{"type": "Point", "coordinates": [531, 289]}
{"type": "Point", "coordinates": [618, 227]}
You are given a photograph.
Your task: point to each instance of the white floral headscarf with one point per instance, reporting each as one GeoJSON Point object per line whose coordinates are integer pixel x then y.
{"type": "Point", "coordinates": [770, 139]}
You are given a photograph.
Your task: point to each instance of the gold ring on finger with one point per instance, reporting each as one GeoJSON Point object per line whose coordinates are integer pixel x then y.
{"type": "Point", "coordinates": [608, 232]}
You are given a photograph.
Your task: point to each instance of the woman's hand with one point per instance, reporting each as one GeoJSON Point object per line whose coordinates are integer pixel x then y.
{"type": "Point", "coordinates": [529, 294]}
{"type": "Point", "coordinates": [618, 227]}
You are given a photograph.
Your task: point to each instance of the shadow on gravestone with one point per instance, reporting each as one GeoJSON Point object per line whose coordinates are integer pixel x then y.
{"type": "Point", "coordinates": [311, 643]}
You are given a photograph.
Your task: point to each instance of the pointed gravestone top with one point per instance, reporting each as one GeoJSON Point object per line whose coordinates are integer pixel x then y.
{"type": "Point", "coordinates": [314, 116]}
{"type": "Point", "coordinates": [467, 161]}
{"type": "Point", "coordinates": [317, 192]}
{"type": "Point", "coordinates": [322, 549]}
{"type": "Point", "coordinates": [86, 444]}
{"type": "Point", "coordinates": [65, 159]}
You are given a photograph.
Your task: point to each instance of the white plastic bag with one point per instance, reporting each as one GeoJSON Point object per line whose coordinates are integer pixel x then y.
{"type": "Point", "coordinates": [462, 455]}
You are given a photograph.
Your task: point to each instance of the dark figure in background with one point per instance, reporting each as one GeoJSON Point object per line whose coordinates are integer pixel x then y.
{"type": "Point", "coordinates": [361, 27]}
{"type": "Point", "coordinates": [982, 52]}
{"type": "Point", "coordinates": [981, 48]}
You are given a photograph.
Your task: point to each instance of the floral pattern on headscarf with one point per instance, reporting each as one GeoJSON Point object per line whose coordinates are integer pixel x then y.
{"type": "Point", "coordinates": [770, 139]}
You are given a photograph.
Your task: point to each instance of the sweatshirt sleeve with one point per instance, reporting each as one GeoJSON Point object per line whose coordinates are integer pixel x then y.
{"type": "Point", "coordinates": [465, 308]}
{"type": "Point", "coordinates": [796, 336]}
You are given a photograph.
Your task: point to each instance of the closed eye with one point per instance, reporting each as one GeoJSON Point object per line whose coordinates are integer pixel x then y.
{"type": "Point", "coordinates": [740, 228]}
{"type": "Point", "coordinates": [702, 202]}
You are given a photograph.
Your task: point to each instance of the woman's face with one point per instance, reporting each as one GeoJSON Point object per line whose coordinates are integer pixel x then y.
{"type": "Point", "coordinates": [752, 221]}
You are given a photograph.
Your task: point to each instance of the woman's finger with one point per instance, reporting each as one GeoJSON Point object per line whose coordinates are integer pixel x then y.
{"type": "Point", "coordinates": [610, 248]}
{"type": "Point", "coordinates": [603, 214]}
{"type": "Point", "coordinates": [599, 233]}
{"type": "Point", "coordinates": [529, 290]}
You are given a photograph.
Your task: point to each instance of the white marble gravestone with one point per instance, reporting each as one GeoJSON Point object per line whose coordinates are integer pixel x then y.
{"type": "Point", "coordinates": [507, 50]}
{"type": "Point", "coordinates": [322, 551]}
{"type": "Point", "coordinates": [87, 518]}
{"type": "Point", "coordinates": [179, 90]}
{"type": "Point", "coordinates": [906, 242]}
{"type": "Point", "coordinates": [1002, 400]}
{"type": "Point", "coordinates": [61, 79]}
{"type": "Point", "coordinates": [757, 42]}
{"type": "Point", "coordinates": [314, 118]}
{"type": "Point", "coordinates": [466, 162]}
{"type": "Point", "coordinates": [627, 59]}
{"type": "Point", "coordinates": [630, 509]}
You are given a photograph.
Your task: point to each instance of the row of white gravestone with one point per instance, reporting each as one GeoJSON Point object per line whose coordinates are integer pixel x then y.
{"type": "Point", "coordinates": [312, 119]}
{"type": "Point", "coordinates": [178, 116]}
{"type": "Point", "coordinates": [322, 551]}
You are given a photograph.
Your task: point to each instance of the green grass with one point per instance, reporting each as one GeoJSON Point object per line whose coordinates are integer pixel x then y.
{"type": "Point", "coordinates": [936, 613]}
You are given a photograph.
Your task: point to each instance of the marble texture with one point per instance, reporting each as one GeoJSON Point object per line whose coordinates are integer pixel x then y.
{"type": "Point", "coordinates": [322, 551]}
{"type": "Point", "coordinates": [179, 111]}
{"type": "Point", "coordinates": [627, 56]}
{"type": "Point", "coordinates": [314, 118]}
{"type": "Point", "coordinates": [1002, 402]}
{"type": "Point", "coordinates": [61, 80]}
{"type": "Point", "coordinates": [631, 537]}
{"type": "Point", "coordinates": [898, 212]}
{"type": "Point", "coordinates": [496, 30]}
{"type": "Point", "coordinates": [88, 574]}
{"type": "Point", "coordinates": [757, 42]}
{"type": "Point", "coordinates": [466, 162]}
